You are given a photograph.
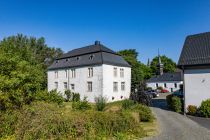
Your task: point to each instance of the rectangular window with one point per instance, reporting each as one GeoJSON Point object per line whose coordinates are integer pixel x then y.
{"type": "Point", "coordinates": [73, 73]}
{"type": "Point", "coordinates": [90, 86]}
{"type": "Point", "coordinates": [175, 85]}
{"type": "Point", "coordinates": [115, 86]}
{"type": "Point", "coordinates": [66, 73]}
{"type": "Point", "coordinates": [115, 72]}
{"type": "Point", "coordinates": [65, 85]}
{"type": "Point", "coordinates": [90, 72]}
{"type": "Point", "coordinates": [156, 85]}
{"type": "Point", "coordinates": [122, 86]}
{"type": "Point", "coordinates": [56, 74]}
{"type": "Point", "coordinates": [56, 85]}
{"type": "Point", "coordinates": [121, 72]}
{"type": "Point", "coordinates": [72, 87]}
{"type": "Point", "coordinates": [165, 85]}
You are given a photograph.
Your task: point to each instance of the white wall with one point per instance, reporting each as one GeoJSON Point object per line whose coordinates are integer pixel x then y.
{"type": "Point", "coordinates": [102, 80]}
{"type": "Point", "coordinates": [197, 86]}
{"type": "Point", "coordinates": [108, 79]}
{"type": "Point", "coordinates": [170, 85]}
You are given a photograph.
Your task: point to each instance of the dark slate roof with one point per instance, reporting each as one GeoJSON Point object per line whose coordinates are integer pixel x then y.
{"type": "Point", "coordinates": [196, 50]}
{"type": "Point", "coordinates": [81, 57]}
{"type": "Point", "coordinates": [175, 76]}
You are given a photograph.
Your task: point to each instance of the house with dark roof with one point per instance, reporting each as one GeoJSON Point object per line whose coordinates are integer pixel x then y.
{"type": "Point", "coordinates": [169, 81]}
{"type": "Point", "coordinates": [195, 63]}
{"type": "Point", "coordinates": [91, 71]}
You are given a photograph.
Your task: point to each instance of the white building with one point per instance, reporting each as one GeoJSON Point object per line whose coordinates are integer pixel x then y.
{"type": "Point", "coordinates": [195, 63]}
{"type": "Point", "coordinates": [91, 71]}
{"type": "Point", "coordinates": [168, 81]}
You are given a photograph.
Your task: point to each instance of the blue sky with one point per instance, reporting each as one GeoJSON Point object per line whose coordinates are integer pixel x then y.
{"type": "Point", "coordinates": [144, 25]}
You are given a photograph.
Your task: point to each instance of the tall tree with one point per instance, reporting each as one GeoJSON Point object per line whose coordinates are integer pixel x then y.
{"type": "Point", "coordinates": [169, 64]}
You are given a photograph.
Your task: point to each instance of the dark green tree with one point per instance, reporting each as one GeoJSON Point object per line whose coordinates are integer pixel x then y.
{"type": "Point", "coordinates": [169, 64]}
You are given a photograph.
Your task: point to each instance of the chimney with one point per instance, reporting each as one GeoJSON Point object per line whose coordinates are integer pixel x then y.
{"type": "Point", "coordinates": [97, 42]}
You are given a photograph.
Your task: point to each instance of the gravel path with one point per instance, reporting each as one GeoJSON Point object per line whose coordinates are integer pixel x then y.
{"type": "Point", "coordinates": [174, 126]}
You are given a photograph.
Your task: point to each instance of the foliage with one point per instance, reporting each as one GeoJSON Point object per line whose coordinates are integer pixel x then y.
{"type": "Point", "coordinates": [139, 71]}
{"type": "Point", "coordinates": [82, 105]}
{"type": "Point", "coordinates": [205, 108]}
{"type": "Point", "coordinates": [169, 100]}
{"type": "Point", "coordinates": [42, 120]}
{"type": "Point", "coordinates": [127, 104]}
{"type": "Point", "coordinates": [52, 96]}
{"type": "Point", "coordinates": [68, 94]}
{"type": "Point", "coordinates": [100, 103]}
{"type": "Point", "coordinates": [176, 104]}
{"type": "Point", "coordinates": [192, 109]}
{"type": "Point", "coordinates": [160, 88]}
{"type": "Point", "coordinates": [75, 97]}
{"type": "Point", "coordinates": [169, 64]}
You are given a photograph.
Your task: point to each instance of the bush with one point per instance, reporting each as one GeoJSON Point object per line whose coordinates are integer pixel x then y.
{"type": "Point", "coordinates": [126, 104]}
{"type": "Point", "coordinates": [160, 88]}
{"type": "Point", "coordinates": [205, 108]}
{"type": "Point", "coordinates": [169, 100]}
{"type": "Point", "coordinates": [82, 105]}
{"type": "Point", "coordinates": [100, 103]}
{"type": "Point", "coordinates": [68, 94]}
{"type": "Point", "coordinates": [176, 104]}
{"type": "Point", "coordinates": [52, 96]}
{"type": "Point", "coordinates": [75, 97]}
{"type": "Point", "coordinates": [192, 109]}
{"type": "Point", "coordinates": [145, 114]}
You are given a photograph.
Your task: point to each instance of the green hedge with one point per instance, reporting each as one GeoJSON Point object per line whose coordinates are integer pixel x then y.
{"type": "Point", "coordinates": [205, 108]}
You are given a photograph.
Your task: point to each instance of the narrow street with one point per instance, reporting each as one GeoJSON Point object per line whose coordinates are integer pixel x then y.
{"type": "Point", "coordinates": [174, 126]}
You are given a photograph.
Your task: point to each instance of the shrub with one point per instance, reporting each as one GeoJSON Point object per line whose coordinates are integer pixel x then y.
{"type": "Point", "coordinates": [192, 109]}
{"type": "Point", "coordinates": [82, 105]}
{"type": "Point", "coordinates": [205, 108]}
{"type": "Point", "coordinates": [126, 104]}
{"type": "Point", "coordinates": [169, 100]}
{"type": "Point", "coordinates": [75, 97]}
{"type": "Point", "coordinates": [100, 103]}
{"type": "Point", "coordinates": [145, 114]}
{"type": "Point", "coordinates": [68, 94]}
{"type": "Point", "coordinates": [52, 96]}
{"type": "Point", "coordinates": [160, 88]}
{"type": "Point", "coordinates": [176, 104]}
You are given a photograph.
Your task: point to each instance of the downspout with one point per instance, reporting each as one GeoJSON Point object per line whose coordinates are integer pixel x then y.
{"type": "Point", "coordinates": [184, 90]}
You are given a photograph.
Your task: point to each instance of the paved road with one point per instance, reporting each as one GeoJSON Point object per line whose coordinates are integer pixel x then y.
{"type": "Point", "coordinates": [174, 126]}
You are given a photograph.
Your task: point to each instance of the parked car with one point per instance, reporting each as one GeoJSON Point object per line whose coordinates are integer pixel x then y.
{"type": "Point", "coordinates": [178, 93]}
{"type": "Point", "coordinates": [164, 91]}
{"type": "Point", "coordinates": [152, 93]}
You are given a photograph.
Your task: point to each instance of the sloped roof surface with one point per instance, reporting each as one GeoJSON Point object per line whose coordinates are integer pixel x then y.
{"type": "Point", "coordinates": [89, 55]}
{"type": "Point", "coordinates": [175, 76]}
{"type": "Point", "coordinates": [196, 50]}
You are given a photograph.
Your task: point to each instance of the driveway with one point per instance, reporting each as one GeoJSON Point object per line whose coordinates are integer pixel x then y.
{"type": "Point", "coordinates": [174, 126]}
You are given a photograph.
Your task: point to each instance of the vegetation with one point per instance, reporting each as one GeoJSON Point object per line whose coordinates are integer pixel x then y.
{"type": "Point", "coordinates": [174, 103]}
{"type": "Point", "coordinates": [127, 104]}
{"type": "Point", "coordinates": [205, 108]}
{"type": "Point", "coordinates": [192, 109]}
{"type": "Point", "coordinates": [81, 105]}
{"type": "Point", "coordinates": [100, 103]}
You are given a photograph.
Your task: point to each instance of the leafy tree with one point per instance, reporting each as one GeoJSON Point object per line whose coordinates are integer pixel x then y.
{"type": "Point", "coordinates": [169, 64]}
{"type": "Point", "coordinates": [139, 71]}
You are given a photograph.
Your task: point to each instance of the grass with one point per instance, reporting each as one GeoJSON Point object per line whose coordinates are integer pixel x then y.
{"type": "Point", "coordinates": [42, 120]}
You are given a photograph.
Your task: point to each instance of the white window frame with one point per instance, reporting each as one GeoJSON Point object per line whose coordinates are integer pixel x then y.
{"type": "Point", "coordinates": [121, 72]}
{"type": "Point", "coordinates": [90, 72]}
{"type": "Point", "coordinates": [72, 87]}
{"type": "Point", "coordinates": [73, 73]}
{"type": "Point", "coordinates": [89, 86]}
{"type": "Point", "coordinates": [123, 86]}
{"type": "Point", "coordinates": [115, 71]}
{"type": "Point", "coordinates": [65, 85]}
{"type": "Point", "coordinates": [115, 86]}
{"type": "Point", "coordinates": [56, 74]}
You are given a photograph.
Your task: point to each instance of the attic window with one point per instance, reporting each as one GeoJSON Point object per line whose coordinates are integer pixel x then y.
{"type": "Point", "coordinates": [67, 59]}
{"type": "Point", "coordinates": [91, 57]}
{"type": "Point", "coordinates": [56, 61]}
{"type": "Point", "coordinates": [77, 58]}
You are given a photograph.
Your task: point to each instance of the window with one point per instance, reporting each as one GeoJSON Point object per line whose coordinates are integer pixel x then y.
{"type": "Point", "coordinates": [115, 72]}
{"type": "Point", "coordinates": [165, 85]}
{"type": "Point", "coordinates": [90, 72]}
{"type": "Point", "coordinates": [66, 73]}
{"type": "Point", "coordinates": [73, 73]}
{"type": "Point", "coordinates": [56, 85]}
{"type": "Point", "coordinates": [65, 85]}
{"type": "Point", "coordinates": [122, 86]}
{"type": "Point", "coordinates": [72, 87]}
{"type": "Point", "coordinates": [90, 86]}
{"type": "Point", "coordinates": [121, 72]}
{"type": "Point", "coordinates": [56, 74]}
{"type": "Point", "coordinates": [91, 57]}
{"type": "Point", "coordinates": [77, 58]}
{"type": "Point", "coordinates": [115, 86]}
{"type": "Point", "coordinates": [156, 85]}
{"type": "Point", "coordinates": [175, 85]}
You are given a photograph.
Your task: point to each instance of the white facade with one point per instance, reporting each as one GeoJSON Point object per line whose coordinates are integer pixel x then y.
{"type": "Point", "coordinates": [197, 86]}
{"type": "Point", "coordinates": [92, 81]}
{"type": "Point", "coordinates": [171, 86]}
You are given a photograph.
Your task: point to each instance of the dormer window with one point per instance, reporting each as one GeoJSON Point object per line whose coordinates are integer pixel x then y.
{"type": "Point", "coordinates": [91, 57]}
{"type": "Point", "coordinates": [56, 61]}
{"type": "Point", "coordinates": [67, 59]}
{"type": "Point", "coordinates": [77, 58]}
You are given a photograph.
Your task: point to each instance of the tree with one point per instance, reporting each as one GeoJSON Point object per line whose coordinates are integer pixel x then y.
{"type": "Point", "coordinates": [139, 71]}
{"type": "Point", "coordinates": [169, 64]}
